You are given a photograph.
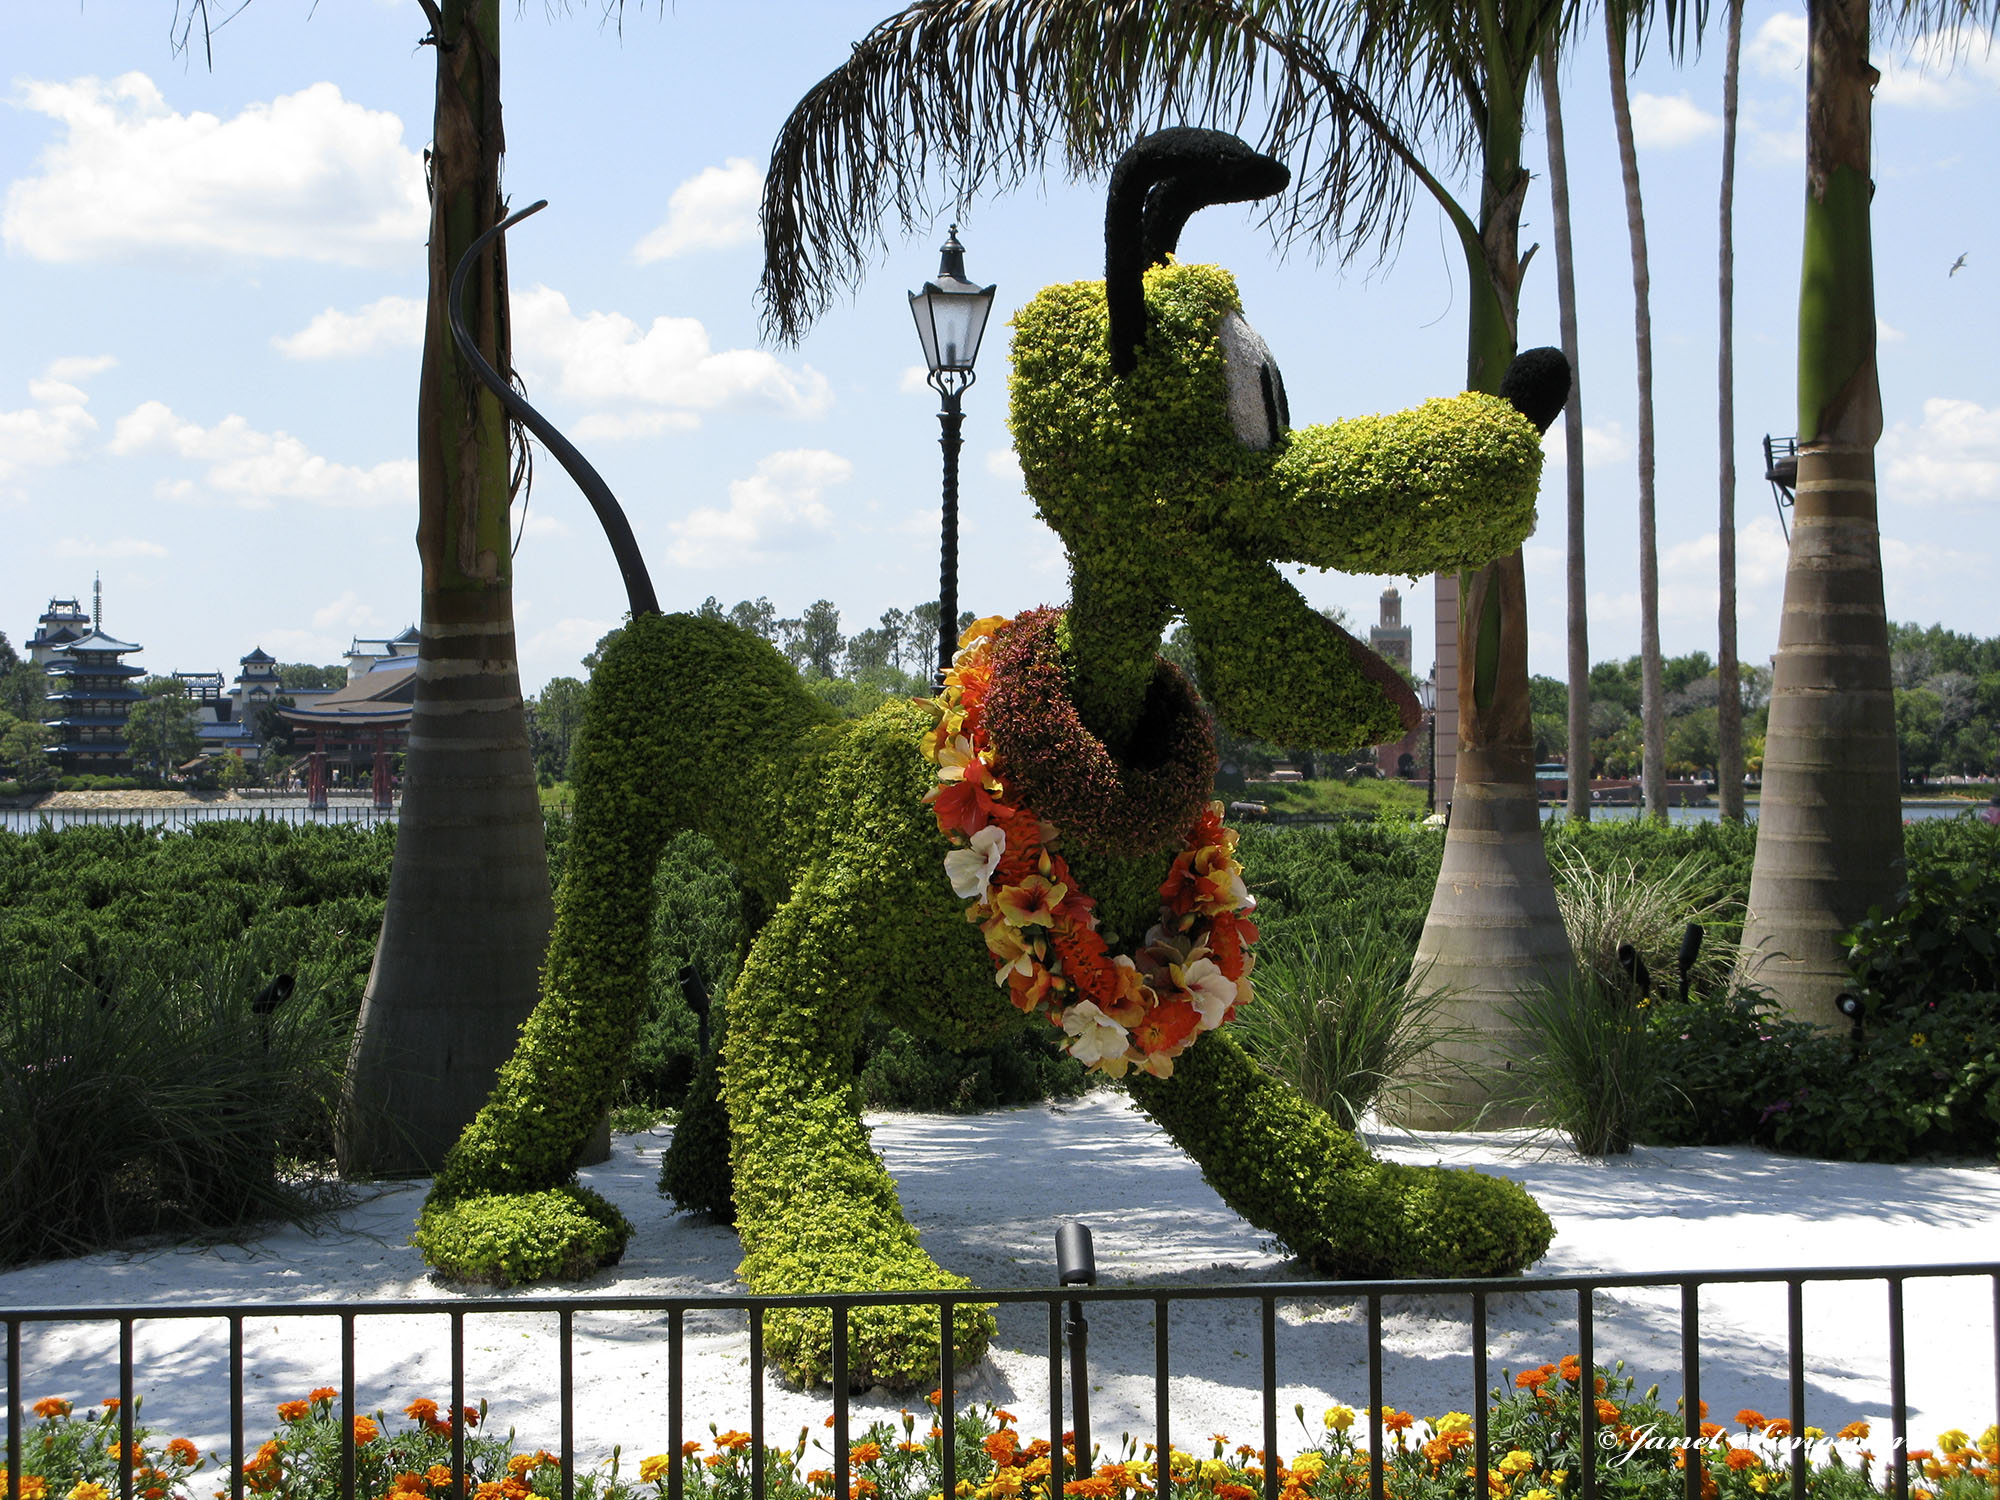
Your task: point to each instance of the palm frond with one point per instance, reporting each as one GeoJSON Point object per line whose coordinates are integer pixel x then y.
{"type": "Point", "coordinates": [948, 98]}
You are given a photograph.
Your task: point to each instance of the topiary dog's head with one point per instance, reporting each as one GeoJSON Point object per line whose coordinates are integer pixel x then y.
{"type": "Point", "coordinates": [1154, 437]}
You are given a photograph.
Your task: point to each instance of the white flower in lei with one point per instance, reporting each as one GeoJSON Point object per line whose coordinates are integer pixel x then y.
{"type": "Point", "coordinates": [1211, 991]}
{"type": "Point", "coordinates": [971, 870]}
{"type": "Point", "coordinates": [1095, 1037]}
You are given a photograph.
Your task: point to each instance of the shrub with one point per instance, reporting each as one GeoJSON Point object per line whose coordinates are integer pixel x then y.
{"type": "Point", "coordinates": [1337, 1016]}
{"type": "Point", "coordinates": [898, 1071]}
{"type": "Point", "coordinates": [1585, 1064]}
{"type": "Point", "coordinates": [1942, 936]}
{"type": "Point", "coordinates": [562, 1234]}
{"type": "Point", "coordinates": [153, 1100]}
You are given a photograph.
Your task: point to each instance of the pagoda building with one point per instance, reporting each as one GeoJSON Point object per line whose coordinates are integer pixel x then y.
{"type": "Point", "coordinates": [62, 622]}
{"type": "Point", "coordinates": [90, 697]}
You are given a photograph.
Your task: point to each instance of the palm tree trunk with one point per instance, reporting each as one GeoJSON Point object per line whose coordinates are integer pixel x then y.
{"type": "Point", "coordinates": [1729, 687]}
{"type": "Point", "coordinates": [1830, 837]}
{"type": "Point", "coordinates": [468, 910]}
{"type": "Point", "coordinates": [1652, 707]}
{"type": "Point", "coordinates": [1579, 610]}
{"type": "Point", "coordinates": [1493, 929]}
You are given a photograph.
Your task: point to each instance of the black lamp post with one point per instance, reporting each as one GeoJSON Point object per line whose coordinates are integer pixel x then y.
{"type": "Point", "coordinates": [1076, 1265]}
{"type": "Point", "coordinates": [951, 316]}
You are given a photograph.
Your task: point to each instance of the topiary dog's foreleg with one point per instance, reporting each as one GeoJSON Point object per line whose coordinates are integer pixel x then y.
{"type": "Point", "coordinates": [1287, 1168]}
{"type": "Point", "coordinates": [816, 1210]}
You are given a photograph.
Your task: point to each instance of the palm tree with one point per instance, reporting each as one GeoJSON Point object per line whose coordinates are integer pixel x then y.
{"type": "Point", "coordinates": [1579, 615]}
{"type": "Point", "coordinates": [468, 911]}
{"type": "Point", "coordinates": [988, 88]}
{"type": "Point", "coordinates": [1729, 696]}
{"type": "Point", "coordinates": [1618, 20]}
{"type": "Point", "coordinates": [1829, 840]}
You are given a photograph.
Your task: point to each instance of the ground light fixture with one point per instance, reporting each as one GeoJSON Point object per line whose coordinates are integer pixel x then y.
{"type": "Point", "coordinates": [951, 318]}
{"type": "Point", "coordinates": [1076, 1265]}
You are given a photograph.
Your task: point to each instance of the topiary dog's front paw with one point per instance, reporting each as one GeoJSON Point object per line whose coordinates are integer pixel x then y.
{"type": "Point", "coordinates": [502, 1239]}
{"type": "Point", "coordinates": [891, 1346]}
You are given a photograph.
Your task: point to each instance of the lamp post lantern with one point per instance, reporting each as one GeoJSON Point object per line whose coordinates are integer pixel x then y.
{"type": "Point", "coordinates": [951, 317]}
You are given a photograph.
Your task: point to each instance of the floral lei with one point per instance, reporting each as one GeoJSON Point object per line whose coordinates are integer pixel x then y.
{"type": "Point", "coordinates": [1041, 928]}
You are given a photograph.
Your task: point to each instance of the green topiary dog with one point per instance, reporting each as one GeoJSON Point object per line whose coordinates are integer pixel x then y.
{"type": "Point", "coordinates": [1153, 434]}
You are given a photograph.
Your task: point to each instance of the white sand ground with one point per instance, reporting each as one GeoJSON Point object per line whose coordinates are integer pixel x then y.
{"type": "Point", "coordinates": [986, 1191]}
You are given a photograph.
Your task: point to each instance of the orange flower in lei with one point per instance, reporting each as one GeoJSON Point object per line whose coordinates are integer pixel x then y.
{"type": "Point", "coordinates": [1117, 1011]}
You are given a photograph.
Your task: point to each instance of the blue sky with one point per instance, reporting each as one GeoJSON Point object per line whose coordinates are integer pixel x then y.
{"type": "Point", "coordinates": [210, 285]}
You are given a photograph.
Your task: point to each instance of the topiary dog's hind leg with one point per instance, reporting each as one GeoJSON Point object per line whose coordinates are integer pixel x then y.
{"type": "Point", "coordinates": [816, 1209]}
{"type": "Point", "coordinates": [1287, 1168]}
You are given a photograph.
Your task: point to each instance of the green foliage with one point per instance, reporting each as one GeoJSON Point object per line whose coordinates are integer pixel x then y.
{"type": "Point", "coordinates": [1609, 907]}
{"type": "Point", "coordinates": [1649, 848]}
{"type": "Point", "coordinates": [1336, 1015]}
{"type": "Point", "coordinates": [161, 729]}
{"type": "Point", "coordinates": [1344, 874]}
{"type": "Point", "coordinates": [1585, 1064]}
{"type": "Point", "coordinates": [142, 1096]}
{"type": "Point", "coordinates": [1942, 937]}
{"type": "Point", "coordinates": [900, 1071]}
{"type": "Point", "coordinates": [561, 1234]}
{"type": "Point", "coordinates": [1289, 1169]}
{"type": "Point", "coordinates": [694, 1169]}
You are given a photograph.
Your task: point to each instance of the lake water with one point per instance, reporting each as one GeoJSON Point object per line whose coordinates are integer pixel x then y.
{"type": "Point", "coordinates": [1912, 811]}
{"type": "Point", "coordinates": [281, 810]}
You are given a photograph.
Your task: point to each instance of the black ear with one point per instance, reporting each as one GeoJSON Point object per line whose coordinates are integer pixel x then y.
{"type": "Point", "coordinates": [1537, 382]}
{"type": "Point", "coordinates": [1157, 186]}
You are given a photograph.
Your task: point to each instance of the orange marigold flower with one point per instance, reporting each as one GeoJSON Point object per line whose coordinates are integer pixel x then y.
{"type": "Point", "coordinates": [1397, 1421]}
{"type": "Point", "coordinates": [423, 1409]}
{"type": "Point", "coordinates": [33, 1486]}
{"type": "Point", "coordinates": [1739, 1459]}
{"type": "Point", "coordinates": [438, 1476]}
{"type": "Point", "coordinates": [1853, 1430]}
{"type": "Point", "coordinates": [1000, 1447]}
{"type": "Point", "coordinates": [514, 1487]}
{"type": "Point", "coordinates": [716, 1460]}
{"type": "Point", "coordinates": [1571, 1367]}
{"type": "Point", "coordinates": [1228, 1491]}
{"type": "Point", "coordinates": [183, 1451]}
{"type": "Point", "coordinates": [1778, 1427]}
{"type": "Point", "coordinates": [1004, 1417]}
{"type": "Point", "coordinates": [864, 1453]}
{"type": "Point", "coordinates": [1607, 1411]}
{"type": "Point", "coordinates": [1710, 1431]}
{"type": "Point", "coordinates": [109, 1403]}
{"type": "Point", "coordinates": [409, 1484]}
{"type": "Point", "coordinates": [1529, 1380]}
{"type": "Point", "coordinates": [52, 1406]}
{"type": "Point", "coordinates": [733, 1442]}
{"type": "Point", "coordinates": [324, 1393]}
{"type": "Point", "coordinates": [690, 1448]}
{"type": "Point", "coordinates": [1099, 1488]}
{"type": "Point", "coordinates": [863, 1488]}
{"type": "Point", "coordinates": [1754, 1420]}
{"type": "Point", "coordinates": [293, 1411]}
{"type": "Point", "coordinates": [365, 1431]}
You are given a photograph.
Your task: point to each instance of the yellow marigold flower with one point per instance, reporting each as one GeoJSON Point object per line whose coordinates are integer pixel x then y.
{"type": "Point", "coordinates": [1214, 1470]}
{"type": "Point", "coordinates": [1006, 1482]}
{"type": "Point", "coordinates": [88, 1490]}
{"type": "Point", "coordinates": [1815, 1433]}
{"type": "Point", "coordinates": [1339, 1418]}
{"type": "Point", "coordinates": [1517, 1462]}
{"type": "Point", "coordinates": [1452, 1421]}
{"type": "Point", "coordinates": [652, 1468]}
{"type": "Point", "coordinates": [34, 1487]}
{"type": "Point", "coordinates": [1559, 1477]}
{"type": "Point", "coordinates": [1539, 1495]}
{"type": "Point", "coordinates": [52, 1406]}
{"type": "Point", "coordinates": [1309, 1466]}
{"type": "Point", "coordinates": [1918, 1039]}
{"type": "Point", "coordinates": [1953, 1440]}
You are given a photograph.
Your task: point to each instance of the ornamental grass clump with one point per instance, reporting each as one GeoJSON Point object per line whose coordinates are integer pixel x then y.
{"type": "Point", "coordinates": [1584, 1064]}
{"type": "Point", "coordinates": [1338, 1016]}
{"type": "Point", "coordinates": [157, 1100]}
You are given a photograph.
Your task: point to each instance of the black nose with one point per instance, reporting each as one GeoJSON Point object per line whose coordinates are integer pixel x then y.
{"type": "Point", "coordinates": [1537, 382]}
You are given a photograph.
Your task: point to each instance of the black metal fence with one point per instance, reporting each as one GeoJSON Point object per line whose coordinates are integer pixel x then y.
{"type": "Point", "coordinates": [1266, 1296]}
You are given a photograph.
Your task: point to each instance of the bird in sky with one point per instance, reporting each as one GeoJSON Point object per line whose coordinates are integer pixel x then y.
{"type": "Point", "coordinates": [1955, 267]}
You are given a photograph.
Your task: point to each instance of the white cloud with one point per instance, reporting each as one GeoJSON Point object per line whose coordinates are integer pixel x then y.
{"type": "Point", "coordinates": [1004, 463]}
{"type": "Point", "coordinates": [308, 176]}
{"type": "Point", "coordinates": [1934, 76]}
{"type": "Point", "coordinates": [915, 381]}
{"type": "Point", "coordinates": [607, 358]}
{"type": "Point", "coordinates": [385, 323]}
{"type": "Point", "coordinates": [538, 524]}
{"type": "Point", "coordinates": [1951, 457]}
{"type": "Point", "coordinates": [1603, 444]}
{"type": "Point", "coordinates": [1778, 49]}
{"type": "Point", "coordinates": [777, 509]}
{"type": "Point", "coordinates": [253, 469]}
{"type": "Point", "coordinates": [1884, 334]}
{"type": "Point", "coordinates": [122, 546]}
{"type": "Point", "coordinates": [349, 612]}
{"type": "Point", "coordinates": [1689, 588]}
{"type": "Point", "coordinates": [712, 210]}
{"type": "Point", "coordinates": [1661, 122]}
{"type": "Point", "coordinates": [631, 424]}
{"type": "Point", "coordinates": [52, 429]}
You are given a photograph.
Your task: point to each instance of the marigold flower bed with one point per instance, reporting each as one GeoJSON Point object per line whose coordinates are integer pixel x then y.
{"type": "Point", "coordinates": [1534, 1453]}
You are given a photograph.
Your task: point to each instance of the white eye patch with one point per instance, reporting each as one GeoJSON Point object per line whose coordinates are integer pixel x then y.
{"type": "Point", "coordinates": [1257, 408]}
